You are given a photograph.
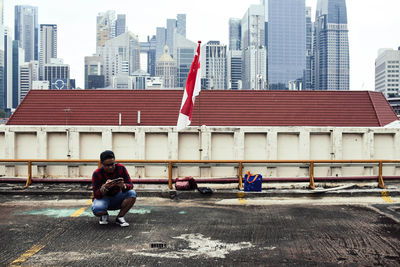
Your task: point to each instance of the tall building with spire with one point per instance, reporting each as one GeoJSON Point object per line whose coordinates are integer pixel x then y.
{"type": "Point", "coordinates": [166, 69]}
{"type": "Point", "coordinates": [26, 31]}
{"type": "Point", "coordinates": [331, 46]}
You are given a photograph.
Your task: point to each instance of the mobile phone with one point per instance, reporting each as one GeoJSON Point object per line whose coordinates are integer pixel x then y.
{"type": "Point", "coordinates": [116, 180]}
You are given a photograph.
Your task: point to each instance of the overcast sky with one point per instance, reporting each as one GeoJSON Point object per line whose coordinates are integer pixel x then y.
{"type": "Point", "coordinates": [373, 24]}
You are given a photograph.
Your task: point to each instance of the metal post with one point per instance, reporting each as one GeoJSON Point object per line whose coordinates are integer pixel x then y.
{"type": "Point", "coordinates": [312, 185]}
{"type": "Point", "coordinates": [380, 179]}
{"type": "Point", "coordinates": [170, 175]}
{"type": "Point", "coordinates": [29, 180]}
{"type": "Point", "coordinates": [240, 175]}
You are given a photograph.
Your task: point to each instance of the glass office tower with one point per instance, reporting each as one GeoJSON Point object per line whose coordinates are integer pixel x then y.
{"type": "Point", "coordinates": [331, 46]}
{"type": "Point", "coordinates": [286, 42]}
{"type": "Point", "coordinates": [27, 31]}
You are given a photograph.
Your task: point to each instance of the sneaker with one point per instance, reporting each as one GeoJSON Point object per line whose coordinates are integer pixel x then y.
{"type": "Point", "coordinates": [103, 219]}
{"type": "Point", "coordinates": [121, 221]}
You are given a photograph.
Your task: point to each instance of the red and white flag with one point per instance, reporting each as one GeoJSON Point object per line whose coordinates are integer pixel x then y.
{"type": "Point", "coordinates": [192, 89]}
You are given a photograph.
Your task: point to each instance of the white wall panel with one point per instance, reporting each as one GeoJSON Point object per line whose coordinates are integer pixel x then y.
{"type": "Point", "coordinates": [156, 149]}
{"type": "Point", "coordinates": [222, 148]}
{"type": "Point", "coordinates": [90, 147]}
{"type": "Point", "coordinates": [123, 146]}
{"type": "Point", "coordinates": [352, 148]}
{"type": "Point", "coordinates": [25, 148]}
{"type": "Point", "coordinates": [288, 149]}
{"type": "Point", "coordinates": [384, 149]}
{"type": "Point", "coordinates": [320, 149]}
{"type": "Point", "coordinates": [255, 148]}
{"type": "Point", "coordinates": [57, 148]}
{"type": "Point", "coordinates": [188, 149]}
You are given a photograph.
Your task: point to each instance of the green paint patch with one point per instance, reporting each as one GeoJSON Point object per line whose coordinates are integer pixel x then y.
{"type": "Point", "coordinates": [182, 212]}
{"type": "Point", "coordinates": [51, 212]}
{"type": "Point", "coordinates": [63, 213]}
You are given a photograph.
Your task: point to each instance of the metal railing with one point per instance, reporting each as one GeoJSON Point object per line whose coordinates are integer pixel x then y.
{"type": "Point", "coordinates": [311, 164]}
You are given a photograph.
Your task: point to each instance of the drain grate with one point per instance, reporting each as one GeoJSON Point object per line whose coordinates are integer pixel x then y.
{"type": "Point", "coordinates": [158, 245]}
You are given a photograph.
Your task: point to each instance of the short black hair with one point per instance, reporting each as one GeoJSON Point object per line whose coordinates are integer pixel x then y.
{"type": "Point", "coordinates": [108, 154]}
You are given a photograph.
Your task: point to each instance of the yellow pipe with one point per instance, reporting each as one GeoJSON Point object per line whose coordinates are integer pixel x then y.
{"type": "Point", "coordinates": [29, 180]}
{"type": "Point", "coordinates": [170, 175]}
{"type": "Point", "coordinates": [240, 175]}
{"type": "Point", "coordinates": [380, 179]}
{"type": "Point", "coordinates": [312, 185]}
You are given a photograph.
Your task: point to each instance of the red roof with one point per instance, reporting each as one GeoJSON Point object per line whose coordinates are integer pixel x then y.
{"type": "Point", "coordinates": [212, 108]}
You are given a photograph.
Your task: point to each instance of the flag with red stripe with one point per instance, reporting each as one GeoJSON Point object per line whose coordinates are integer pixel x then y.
{"type": "Point", "coordinates": [192, 89]}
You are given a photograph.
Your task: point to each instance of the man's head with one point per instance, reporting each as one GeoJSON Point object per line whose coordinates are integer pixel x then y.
{"type": "Point", "coordinates": [107, 159]}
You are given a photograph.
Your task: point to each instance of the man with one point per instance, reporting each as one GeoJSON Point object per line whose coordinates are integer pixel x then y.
{"type": "Point", "coordinates": [113, 189]}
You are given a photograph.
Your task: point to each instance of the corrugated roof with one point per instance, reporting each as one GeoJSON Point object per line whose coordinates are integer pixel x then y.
{"type": "Point", "coordinates": [212, 108]}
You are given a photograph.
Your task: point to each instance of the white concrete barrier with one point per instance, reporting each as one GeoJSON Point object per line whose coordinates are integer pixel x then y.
{"type": "Point", "coordinates": [199, 143]}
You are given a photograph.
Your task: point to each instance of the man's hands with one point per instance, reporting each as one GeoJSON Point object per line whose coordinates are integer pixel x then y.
{"type": "Point", "coordinates": [112, 183]}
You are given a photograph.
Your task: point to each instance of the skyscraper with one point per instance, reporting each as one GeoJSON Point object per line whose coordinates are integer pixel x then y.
{"type": "Point", "coordinates": [331, 46]}
{"type": "Point", "coordinates": [121, 55]}
{"type": "Point", "coordinates": [18, 57]}
{"type": "Point", "coordinates": [57, 74]}
{"type": "Point", "coordinates": [254, 57]}
{"type": "Point", "coordinates": [161, 38]}
{"type": "Point", "coordinates": [28, 72]}
{"type": "Point", "coordinates": [235, 34]}
{"type": "Point", "coordinates": [387, 72]}
{"type": "Point", "coordinates": [48, 45]}
{"type": "Point", "coordinates": [1, 12]}
{"type": "Point", "coordinates": [171, 30]}
{"type": "Point", "coordinates": [181, 24]}
{"type": "Point", "coordinates": [183, 54]}
{"type": "Point", "coordinates": [309, 52]}
{"type": "Point", "coordinates": [234, 69]}
{"type": "Point", "coordinates": [120, 24]}
{"type": "Point", "coordinates": [105, 28]}
{"type": "Point", "coordinates": [286, 41]}
{"type": "Point", "coordinates": [94, 72]}
{"type": "Point", "coordinates": [27, 31]}
{"type": "Point", "coordinates": [213, 65]}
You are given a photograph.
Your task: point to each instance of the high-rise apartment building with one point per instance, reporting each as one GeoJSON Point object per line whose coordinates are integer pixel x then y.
{"type": "Point", "coordinates": [308, 77]}
{"type": "Point", "coordinates": [94, 72]}
{"type": "Point", "coordinates": [3, 92]}
{"type": "Point", "coordinates": [254, 57]}
{"type": "Point", "coordinates": [120, 55]}
{"type": "Point", "coordinates": [28, 72]}
{"type": "Point", "coordinates": [8, 68]}
{"type": "Point", "coordinates": [48, 45]}
{"type": "Point", "coordinates": [18, 58]}
{"type": "Point", "coordinates": [27, 31]}
{"type": "Point", "coordinates": [235, 34]}
{"type": "Point", "coordinates": [120, 24]}
{"type": "Point", "coordinates": [213, 65]}
{"type": "Point", "coordinates": [387, 72]}
{"type": "Point", "coordinates": [331, 46]}
{"type": "Point", "coordinates": [286, 41]}
{"type": "Point", "coordinates": [166, 69]}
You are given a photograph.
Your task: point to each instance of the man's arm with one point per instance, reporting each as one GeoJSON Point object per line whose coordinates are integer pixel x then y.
{"type": "Point", "coordinates": [127, 180]}
{"type": "Point", "coordinates": [96, 185]}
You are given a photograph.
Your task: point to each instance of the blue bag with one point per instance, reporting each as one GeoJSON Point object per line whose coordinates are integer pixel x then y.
{"type": "Point", "coordinates": [252, 182]}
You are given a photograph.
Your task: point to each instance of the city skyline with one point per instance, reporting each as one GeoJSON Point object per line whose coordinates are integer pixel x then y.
{"type": "Point", "coordinates": [366, 34]}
